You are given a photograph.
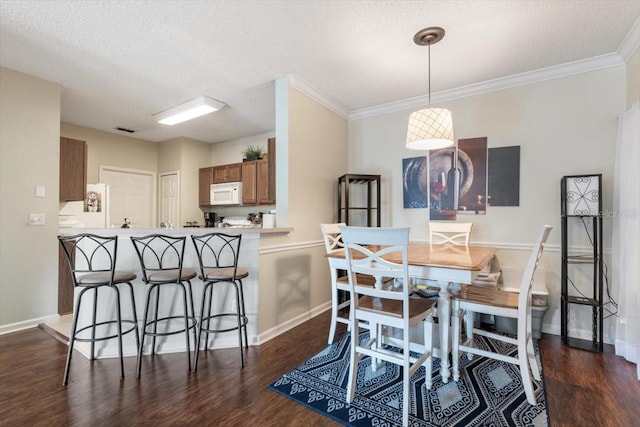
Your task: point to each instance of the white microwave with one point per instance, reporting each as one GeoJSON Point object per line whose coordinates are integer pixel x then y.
{"type": "Point", "coordinates": [226, 194]}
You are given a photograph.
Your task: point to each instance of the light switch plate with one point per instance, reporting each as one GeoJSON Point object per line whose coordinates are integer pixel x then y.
{"type": "Point", "coordinates": [39, 190]}
{"type": "Point", "coordinates": [36, 219]}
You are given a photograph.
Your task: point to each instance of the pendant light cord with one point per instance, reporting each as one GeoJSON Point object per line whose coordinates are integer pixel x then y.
{"type": "Point", "coordinates": [429, 68]}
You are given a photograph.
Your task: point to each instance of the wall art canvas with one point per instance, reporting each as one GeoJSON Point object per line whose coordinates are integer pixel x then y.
{"type": "Point", "coordinates": [414, 182]}
{"type": "Point", "coordinates": [444, 184]}
{"type": "Point", "coordinates": [473, 176]}
{"type": "Point", "coordinates": [504, 176]}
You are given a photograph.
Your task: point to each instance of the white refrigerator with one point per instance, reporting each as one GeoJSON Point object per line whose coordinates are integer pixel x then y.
{"type": "Point", "coordinates": [92, 212]}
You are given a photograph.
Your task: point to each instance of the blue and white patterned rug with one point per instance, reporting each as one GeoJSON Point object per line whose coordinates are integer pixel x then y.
{"type": "Point", "coordinates": [489, 392]}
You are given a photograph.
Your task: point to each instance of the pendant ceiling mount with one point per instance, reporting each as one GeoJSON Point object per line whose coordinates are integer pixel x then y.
{"type": "Point", "coordinates": [429, 35]}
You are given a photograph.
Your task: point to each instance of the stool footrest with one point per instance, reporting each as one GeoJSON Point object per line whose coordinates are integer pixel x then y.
{"type": "Point", "coordinates": [243, 322]}
{"type": "Point", "coordinates": [108, 322]}
{"type": "Point", "coordinates": [164, 319]}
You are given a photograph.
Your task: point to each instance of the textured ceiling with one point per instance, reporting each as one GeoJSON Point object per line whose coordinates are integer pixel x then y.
{"type": "Point", "coordinates": [118, 62]}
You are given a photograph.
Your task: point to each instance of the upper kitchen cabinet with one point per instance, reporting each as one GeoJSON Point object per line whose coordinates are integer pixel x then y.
{"type": "Point", "coordinates": [258, 178]}
{"type": "Point", "coordinates": [205, 179]}
{"type": "Point", "coordinates": [227, 173]}
{"type": "Point", "coordinates": [73, 169]}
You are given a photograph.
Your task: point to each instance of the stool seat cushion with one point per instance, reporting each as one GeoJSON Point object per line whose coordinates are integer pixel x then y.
{"type": "Point", "coordinates": [170, 276]}
{"type": "Point", "coordinates": [224, 273]}
{"type": "Point", "coordinates": [104, 278]}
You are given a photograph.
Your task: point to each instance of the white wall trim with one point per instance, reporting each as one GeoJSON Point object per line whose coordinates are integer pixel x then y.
{"type": "Point", "coordinates": [292, 323]}
{"type": "Point", "coordinates": [631, 41]}
{"type": "Point", "coordinates": [26, 324]}
{"type": "Point", "coordinates": [549, 73]}
{"type": "Point", "coordinates": [304, 87]}
{"type": "Point", "coordinates": [290, 247]}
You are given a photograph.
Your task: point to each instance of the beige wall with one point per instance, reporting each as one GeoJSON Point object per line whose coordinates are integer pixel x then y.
{"type": "Point", "coordinates": [227, 152]}
{"type": "Point", "coordinates": [294, 278]}
{"type": "Point", "coordinates": [195, 155]}
{"type": "Point", "coordinates": [563, 126]}
{"type": "Point", "coordinates": [633, 78]}
{"type": "Point", "coordinates": [29, 152]}
{"type": "Point", "coordinates": [110, 149]}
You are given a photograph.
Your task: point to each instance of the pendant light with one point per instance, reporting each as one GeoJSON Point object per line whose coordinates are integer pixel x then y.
{"type": "Point", "coordinates": [429, 128]}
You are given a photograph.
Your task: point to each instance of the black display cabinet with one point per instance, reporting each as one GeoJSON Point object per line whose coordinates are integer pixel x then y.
{"type": "Point", "coordinates": [581, 212]}
{"type": "Point", "coordinates": [367, 211]}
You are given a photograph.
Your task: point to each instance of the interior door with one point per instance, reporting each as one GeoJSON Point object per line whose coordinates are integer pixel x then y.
{"type": "Point", "coordinates": [169, 198]}
{"type": "Point", "coordinates": [131, 196]}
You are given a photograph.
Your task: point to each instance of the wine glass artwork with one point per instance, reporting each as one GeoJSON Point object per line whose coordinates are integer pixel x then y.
{"type": "Point", "coordinates": [439, 186]}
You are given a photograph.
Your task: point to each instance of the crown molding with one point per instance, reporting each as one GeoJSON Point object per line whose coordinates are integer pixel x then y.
{"type": "Point", "coordinates": [304, 87]}
{"type": "Point", "coordinates": [631, 42]}
{"type": "Point", "coordinates": [535, 76]}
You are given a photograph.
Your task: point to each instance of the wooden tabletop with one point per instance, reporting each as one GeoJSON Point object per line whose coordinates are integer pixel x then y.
{"type": "Point", "coordinates": [434, 255]}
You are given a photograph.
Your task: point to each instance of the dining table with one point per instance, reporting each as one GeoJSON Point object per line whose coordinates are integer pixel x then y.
{"type": "Point", "coordinates": [444, 266]}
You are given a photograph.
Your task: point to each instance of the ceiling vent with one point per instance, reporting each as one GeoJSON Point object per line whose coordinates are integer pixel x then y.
{"type": "Point", "coordinates": [125, 130]}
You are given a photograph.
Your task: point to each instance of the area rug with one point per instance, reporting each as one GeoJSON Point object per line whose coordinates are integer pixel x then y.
{"type": "Point", "coordinates": [489, 392]}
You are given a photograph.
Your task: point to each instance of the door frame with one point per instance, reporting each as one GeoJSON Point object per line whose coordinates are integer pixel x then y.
{"type": "Point", "coordinates": [177, 174]}
{"type": "Point", "coordinates": [154, 186]}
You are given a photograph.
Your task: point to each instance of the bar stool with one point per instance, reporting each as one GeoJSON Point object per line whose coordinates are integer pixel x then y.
{"type": "Point", "coordinates": [218, 257]}
{"type": "Point", "coordinates": [92, 261]}
{"type": "Point", "coordinates": [161, 259]}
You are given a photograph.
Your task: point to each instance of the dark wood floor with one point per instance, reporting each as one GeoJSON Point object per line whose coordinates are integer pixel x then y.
{"type": "Point", "coordinates": [582, 388]}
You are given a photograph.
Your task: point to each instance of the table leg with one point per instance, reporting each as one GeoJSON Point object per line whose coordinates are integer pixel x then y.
{"type": "Point", "coordinates": [444, 314]}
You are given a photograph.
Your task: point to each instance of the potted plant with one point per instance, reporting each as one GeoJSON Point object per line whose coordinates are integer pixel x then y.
{"type": "Point", "coordinates": [252, 153]}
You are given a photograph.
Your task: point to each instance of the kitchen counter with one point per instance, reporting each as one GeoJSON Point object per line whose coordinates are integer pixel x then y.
{"type": "Point", "coordinates": [127, 259]}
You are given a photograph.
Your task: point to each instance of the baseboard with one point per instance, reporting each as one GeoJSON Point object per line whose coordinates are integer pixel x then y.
{"type": "Point", "coordinates": [292, 323]}
{"type": "Point", "coordinates": [26, 324]}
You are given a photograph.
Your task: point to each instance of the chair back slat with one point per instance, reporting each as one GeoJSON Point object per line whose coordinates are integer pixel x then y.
{"type": "Point", "coordinates": [159, 252]}
{"type": "Point", "coordinates": [365, 248]}
{"type": "Point", "coordinates": [526, 284]}
{"type": "Point", "coordinates": [217, 250]}
{"type": "Point", "coordinates": [331, 236]}
{"type": "Point", "coordinates": [89, 253]}
{"type": "Point", "coordinates": [455, 233]}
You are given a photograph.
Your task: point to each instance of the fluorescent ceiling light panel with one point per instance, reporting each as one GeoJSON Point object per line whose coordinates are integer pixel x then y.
{"type": "Point", "coordinates": [189, 110]}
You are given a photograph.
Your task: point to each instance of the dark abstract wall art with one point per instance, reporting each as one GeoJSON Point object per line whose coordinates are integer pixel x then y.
{"type": "Point", "coordinates": [504, 176]}
{"type": "Point", "coordinates": [473, 172]}
{"type": "Point", "coordinates": [414, 182]}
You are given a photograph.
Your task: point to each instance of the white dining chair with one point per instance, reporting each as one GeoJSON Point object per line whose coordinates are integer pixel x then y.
{"type": "Point", "coordinates": [384, 305]}
{"type": "Point", "coordinates": [339, 282]}
{"type": "Point", "coordinates": [454, 233]}
{"type": "Point", "coordinates": [507, 304]}
{"type": "Point", "coordinates": [333, 242]}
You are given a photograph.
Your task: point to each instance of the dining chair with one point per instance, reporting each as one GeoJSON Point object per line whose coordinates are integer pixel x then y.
{"type": "Point", "coordinates": [218, 255]}
{"type": "Point", "coordinates": [92, 262]}
{"type": "Point", "coordinates": [454, 233]}
{"type": "Point", "coordinates": [161, 259]}
{"type": "Point", "coordinates": [339, 281]}
{"type": "Point", "coordinates": [384, 305]}
{"type": "Point", "coordinates": [507, 304]}
{"type": "Point", "coordinates": [332, 242]}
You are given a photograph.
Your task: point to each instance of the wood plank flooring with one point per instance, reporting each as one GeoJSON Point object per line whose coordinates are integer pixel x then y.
{"type": "Point", "coordinates": [582, 388]}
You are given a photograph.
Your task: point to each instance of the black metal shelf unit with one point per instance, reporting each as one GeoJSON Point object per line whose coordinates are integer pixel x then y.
{"type": "Point", "coordinates": [372, 208]}
{"type": "Point", "coordinates": [581, 200]}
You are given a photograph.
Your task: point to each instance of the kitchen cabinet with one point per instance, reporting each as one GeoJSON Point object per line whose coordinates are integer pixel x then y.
{"type": "Point", "coordinates": [205, 179]}
{"type": "Point", "coordinates": [249, 182]}
{"type": "Point", "coordinates": [73, 169]}
{"type": "Point", "coordinates": [65, 284]}
{"type": "Point", "coordinates": [227, 173]}
{"type": "Point", "coordinates": [258, 178]}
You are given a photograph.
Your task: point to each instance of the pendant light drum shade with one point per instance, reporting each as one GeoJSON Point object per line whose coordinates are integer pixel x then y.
{"type": "Point", "coordinates": [430, 129]}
